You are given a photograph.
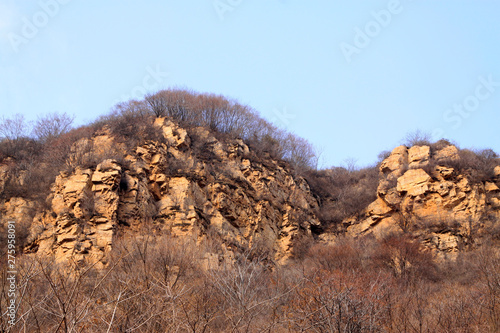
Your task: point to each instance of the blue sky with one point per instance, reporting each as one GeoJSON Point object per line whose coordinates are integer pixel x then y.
{"type": "Point", "coordinates": [353, 77]}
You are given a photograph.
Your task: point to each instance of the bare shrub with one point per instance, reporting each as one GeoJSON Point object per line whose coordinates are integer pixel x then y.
{"type": "Point", "coordinates": [341, 193]}
{"type": "Point", "coordinates": [488, 267]}
{"type": "Point", "coordinates": [383, 155]}
{"type": "Point", "coordinates": [443, 143]}
{"type": "Point", "coordinates": [407, 259]}
{"type": "Point", "coordinates": [417, 138]}
{"type": "Point", "coordinates": [252, 295]}
{"type": "Point", "coordinates": [23, 159]}
{"type": "Point", "coordinates": [22, 150]}
{"type": "Point", "coordinates": [180, 104]}
{"type": "Point", "coordinates": [57, 152]}
{"type": "Point", "coordinates": [341, 301]}
{"type": "Point", "coordinates": [456, 310]}
{"type": "Point", "coordinates": [155, 284]}
{"type": "Point", "coordinates": [299, 152]}
{"type": "Point", "coordinates": [346, 254]}
{"type": "Point", "coordinates": [477, 165]}
{"type": "Point", "coordinates": [55, 298]}
{"type": "Point", "coordinates": [130, 123]}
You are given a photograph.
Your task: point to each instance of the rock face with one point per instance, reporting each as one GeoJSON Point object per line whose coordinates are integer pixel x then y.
{"type": "Point", "coordinates": [421, 193]}
{"type": "Point", "coordinates": [191, 184]}
{"type": "Point", "coordinates": [18, 210]}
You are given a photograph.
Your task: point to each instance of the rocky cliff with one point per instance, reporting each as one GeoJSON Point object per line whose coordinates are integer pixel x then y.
{"type": "Point", "coordinates": [187, 184]}
{"type": "Point", "coordinates": [429, 191]}
{"type": "Point", "coordinates": [195, 183]}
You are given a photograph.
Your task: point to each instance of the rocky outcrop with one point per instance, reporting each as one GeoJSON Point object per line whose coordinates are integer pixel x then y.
{"type": "Point", "coordinates": [190, 184]}
{"type": "Point", "coordinates": [420, 192]}
{"type": "Point", "coordinates": [83, 218]}
{"type": "Point", "coordinates": [17, 209]}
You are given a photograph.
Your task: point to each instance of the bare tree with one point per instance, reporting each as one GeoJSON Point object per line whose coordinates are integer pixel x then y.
{"type": "Point", "coordinates": [14, 128]}
{"type": "Point", "coordinates": [52, 125]}
{"type": "Point", "coordinates": [158, 104]}
{"type": "Point", "coordinates": [299, 152]}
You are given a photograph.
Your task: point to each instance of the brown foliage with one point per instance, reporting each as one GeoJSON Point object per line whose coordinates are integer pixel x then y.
{"type": "Point", "coordinates": [130, 123]}
{"type": "Point", "coordinates": [226, 116]}
{"type": "Point", "coordinates": [160, 283]}
{"type": "Point", "coordinates": [406, 258]}
{"type": "Point", "coordinates": [341, 301]}
{"type": "Point", "coordinates": [52, 125]}
{"type": "Point", "coordinates": [342, 193]}
{"type": "Point", "coordinates": [477, 165]}
{"type": "Point", "coordinates": [417, 138]}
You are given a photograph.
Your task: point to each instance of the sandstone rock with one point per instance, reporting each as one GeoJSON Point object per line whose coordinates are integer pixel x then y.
{"type": "Point", "coordinates": [100, 147]}
{"type": "Point", "coordinates": [175, 135]}
{"type": "Point", "coordinates": [19, 210]}
{"type": "Point", "coordinates": [104, 144]}
{"type": "Point", "coordinates": [496, 171]}
{"type": "Point", "coordinates": [4, 176]}
{"type": "Point", "coordinates": [463, 184]}
{"type": "Point", "coordinates": [418, 156]}
{"type": "Point", "coordinates": [396, 162]}
{"type": "Point", "coordinates": [414, 182]}
{"type": "Point", "coordinates": [446, 242]}
{"type": "Point", "coordinates": [491, 187]}
{"type": "Point", "coordinates": [72, 193]}
{"type": "Point", "coordinates": [242, 202]}
{"type": "Point", "coordinates": [393, 198]}
{"type": "Point", "coordinates": [379, 227]}
{"type": "Point", "coordinates": [445, 188]}
{"type": "Point", "coordinates": [106, 178]}
{"type": "Point", "coordinates": [378, 208]}
{"type": "Point", "coordinates": [447, 153]}
{"type": "Point", "coordinates": [444, 172]}
{"type": "Point", "coordinates": [419, 197]}
{"type": "Point", "coordinates": [495, 202]}
{"type": "Point", "coordinates": [238, 149]}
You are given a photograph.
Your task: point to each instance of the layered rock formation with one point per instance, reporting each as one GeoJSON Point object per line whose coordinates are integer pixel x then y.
{"type": "Point", "coordinates": [190, 184]}
{"type": "Point", "coordinates": [420, 192]}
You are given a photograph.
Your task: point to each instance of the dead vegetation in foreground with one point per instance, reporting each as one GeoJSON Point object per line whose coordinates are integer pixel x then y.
{"type": "Point", "coordinates": [166, 284]}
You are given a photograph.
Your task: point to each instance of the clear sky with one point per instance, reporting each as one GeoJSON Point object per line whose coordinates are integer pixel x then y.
{"type": "Point", "coordinates": [352, 77]}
